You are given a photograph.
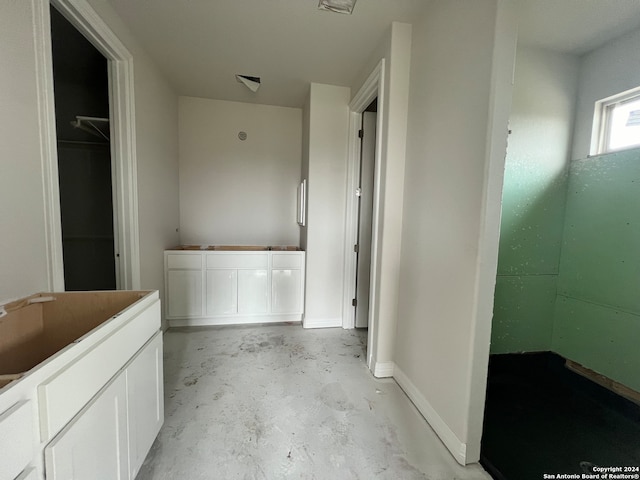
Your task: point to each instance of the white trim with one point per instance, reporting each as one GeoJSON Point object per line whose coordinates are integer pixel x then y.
{"type": "Point", "coordinates": [322, 322]}
{"type": "Point", "coordinates": [601, 128]}
{"type": "Point", "coordinates": [48, 147]}
{"type": "Point", "coordinates": [384, 369]}
{"type": "Point", "coordinates": [123, 140]}
{"type": "Point", "coordinates": [248, 320]}
{"type": "Point", "coordinates": [373, 87]}
{"type": "Point", "coordinates": [457, 448]}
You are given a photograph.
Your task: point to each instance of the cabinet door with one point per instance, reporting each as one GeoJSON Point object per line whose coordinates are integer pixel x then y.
{"type": "Point", "coordinates": [184, 293]}
{"type": "Point", "coordinates": [253, 291]}
{"type": "Point", "coordinates": [145, 401]}
{"type": "Point", "coordinates": [93, 446]}
{"type": "Point", "coordinates": [286, 291]}
{"type": "Point", "coordinates": [222, 292]}
{"type": "Point", "coordinates": [16, 439]}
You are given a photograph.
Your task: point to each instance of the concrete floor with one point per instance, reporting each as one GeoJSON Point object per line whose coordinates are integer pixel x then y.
{"type": "Point", "coordinates": [274, 402]}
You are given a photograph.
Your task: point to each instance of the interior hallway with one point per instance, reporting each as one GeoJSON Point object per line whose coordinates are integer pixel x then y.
{"type": "Point", "coordinates": [271, 402]}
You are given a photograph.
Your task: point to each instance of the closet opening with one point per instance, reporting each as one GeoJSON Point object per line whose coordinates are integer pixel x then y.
{"type": "Point", "coordinates": [85, 166]}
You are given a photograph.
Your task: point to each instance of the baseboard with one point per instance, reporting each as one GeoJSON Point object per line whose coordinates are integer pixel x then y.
{"type": "Point", "coordinates": [383, 369]}
{"type": "Point", "coordinates": [248, 320]}
{"type": "Point", "coordinates": [457, 448]}
{"type": "Point", "coordinates": [322, 322]}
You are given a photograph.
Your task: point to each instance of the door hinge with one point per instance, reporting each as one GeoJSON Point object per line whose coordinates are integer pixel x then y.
{"type": "Point", "coordinates": [360, 133]}
{"type": "Point", "coordinates": [356, 248]}
{"type": "Point", "coordinates": [354, 303]}
{"type": "Point", "coordinates": [358, 192]}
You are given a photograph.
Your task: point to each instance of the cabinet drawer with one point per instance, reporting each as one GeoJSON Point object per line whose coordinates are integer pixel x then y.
{"type": "Point", "coordinates": [16, 439]}
{"type": "Point", "coordinates": [280, 260]}
{"type": "Point", "coordinates": [223, 260]}
{"type": "Point", "coordinates": [90, 372]}
{"type": "Point", "coordinates": [185, 260]}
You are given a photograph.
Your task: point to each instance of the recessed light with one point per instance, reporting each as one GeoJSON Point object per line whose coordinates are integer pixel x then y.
{"type": "Point", "coordinates": [337, 6]}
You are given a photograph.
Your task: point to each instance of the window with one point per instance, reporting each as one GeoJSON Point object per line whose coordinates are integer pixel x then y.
{"type": "Point", "coordinates": [617, 123]}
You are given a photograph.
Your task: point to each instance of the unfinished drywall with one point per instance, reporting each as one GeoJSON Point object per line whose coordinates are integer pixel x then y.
{"type": "Point", "coordinates": [608, 70]}
{"type": "Point", "coordinates": [23, 264]}
{"type": "Point", "coordinates": [597, 316]}
{"type": "Point", "coordinates": [461, 68]}
{"type": "Point", "coordinates": [233, 191]}
{"type": "Point", "coordinates": [326, 204]}
{"type": "Point", "coordinates": [533, 200]}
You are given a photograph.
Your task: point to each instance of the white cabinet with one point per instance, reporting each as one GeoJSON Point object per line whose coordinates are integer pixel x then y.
{"type": "Point", "coordinates": [253, 291]}
{"type": "Point", "coordinates": [88, 399]}
{"type": "Point", "coordinates": [145, 401]}
{"type": "Point", "coordinates": [222, 292]}
{"type": "Point", "coordinates": [112, 434]}
{"type": "Point", "coordinates": [239, 286]}
{"type": "Point", "coordinates": [286, 291]}
{"type": "Point", "coordinates": [16, 432]}
{"type": "Point", "coordinates": [94, 444]}
{"type": "Point", "coordinates": [184, 293]}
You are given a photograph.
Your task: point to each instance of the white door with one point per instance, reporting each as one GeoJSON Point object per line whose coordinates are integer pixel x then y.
{"type": "Point", "coordinates": [365, 218]}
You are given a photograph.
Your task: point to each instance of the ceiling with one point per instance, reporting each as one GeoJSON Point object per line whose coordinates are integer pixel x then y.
{"type": "Point", "coordinates": [200, 45]}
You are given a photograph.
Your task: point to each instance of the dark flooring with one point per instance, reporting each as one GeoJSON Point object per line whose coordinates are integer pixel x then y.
{"type": "Point", "coordinates": [542, 418]}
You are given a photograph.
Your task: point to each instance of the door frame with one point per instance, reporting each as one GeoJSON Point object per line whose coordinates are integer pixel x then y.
{"type": "Point", "coordinates": [123, 138]}
{"type": "Point", "coordinates": [373, 87]}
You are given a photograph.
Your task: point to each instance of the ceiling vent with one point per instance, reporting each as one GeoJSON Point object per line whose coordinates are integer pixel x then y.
{"type": "Point", "coordinates": [252, 83]}
{"type": "Point", "coordinates": [337, 6]}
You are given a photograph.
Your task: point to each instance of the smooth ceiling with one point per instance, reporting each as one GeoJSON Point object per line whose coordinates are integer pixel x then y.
{"type": "Point", "coordinates": [201, 44]}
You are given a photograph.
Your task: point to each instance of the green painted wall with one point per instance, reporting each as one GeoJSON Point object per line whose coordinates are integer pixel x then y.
{"type": "Point", "coordinates": [597, 312]}
{"type": "Point", "coordinates": [533, 200]}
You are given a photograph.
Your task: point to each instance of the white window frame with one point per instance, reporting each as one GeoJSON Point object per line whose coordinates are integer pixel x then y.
{"type": "Point", "coordinates": [602, 121]}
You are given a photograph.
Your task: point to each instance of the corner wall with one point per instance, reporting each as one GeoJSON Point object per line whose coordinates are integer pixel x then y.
{"type": "Point", "coordinates": [22, 205]}
{"type": "Point", "coordinates": [238, 192]}
{"type": "Point", "coordinates": [23, 264]}
{"type": "Point", "coordinates": [533, 200]}
{"type": "Point", "coordinates": [460, 95]}
{"type": "Point", "coordinates": [328, 114]}
{"type": "Point", "coordinates": [156, 116]}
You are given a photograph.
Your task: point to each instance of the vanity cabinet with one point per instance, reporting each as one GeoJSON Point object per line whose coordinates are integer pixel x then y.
{"type": "Point", "coordinates": [233, 287]}
{"type": "Point", "coordinates": [81, 385]}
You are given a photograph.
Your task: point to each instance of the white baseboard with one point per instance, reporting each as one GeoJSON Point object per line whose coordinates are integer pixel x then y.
{"type": "Point", "coordinates": [248, 320]}
{"type": "Point", "coordinates": [383, 369]}
{"type": "Point", "coordinates": [321, 322]}
{"type": "Point", "coordinates": [457, 448]}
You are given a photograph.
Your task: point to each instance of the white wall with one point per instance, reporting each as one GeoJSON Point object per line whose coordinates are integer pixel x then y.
{"type": "Point", "coordinates": [326, 204]}
{"type": "Point", "coordinates": [23, 263]}
{"type": "Point", "coordinates": [460, 94]}
{"type": "Point", "coordinates": [395, 48]}
{"type": "Point", "coordinates": [238, 192]}
{"type": "Point", "coordinates": [608, 70]}
{"type": "Point", "coordinates": [24, 270]}
{"type": "Point", "coordinates": [156, 115]}
{"type": "Point", "coordinates": [306, 119]}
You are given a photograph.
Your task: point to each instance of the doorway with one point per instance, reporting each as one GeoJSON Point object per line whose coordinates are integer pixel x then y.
{"type": "Point", "coordinates": [365, 214]}
{"type": "Point", "coordinates": [85, 167]}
